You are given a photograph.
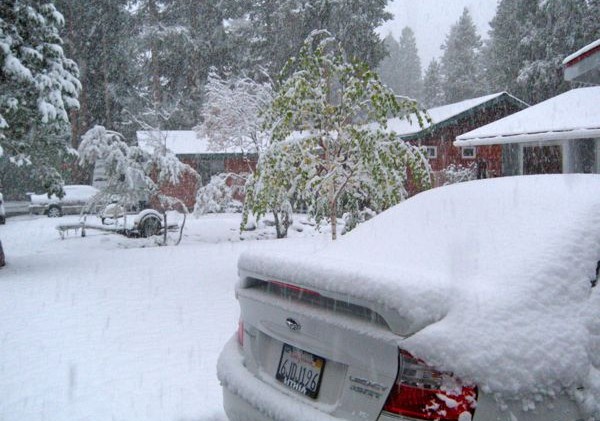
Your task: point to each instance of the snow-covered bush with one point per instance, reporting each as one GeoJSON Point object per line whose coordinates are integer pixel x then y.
{"type": "Point", "coordinates": [222, 194]}
{"type": "Point", "coordinates": [453, 174]}
{"type": "Point", "coordinates": [134, 174]}
{"type": "Point", "coordinates": [353, 219]}
{"type": "Point", "coordinates": [231, 114]}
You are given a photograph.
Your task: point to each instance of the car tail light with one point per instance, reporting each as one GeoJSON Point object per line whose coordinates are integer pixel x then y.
{"type": "Point", "coordinates": [240, 332]}
{"type": "Point", "coordinates": [423, 393]}
{"type": "Point", "coordinates": [289, 288]}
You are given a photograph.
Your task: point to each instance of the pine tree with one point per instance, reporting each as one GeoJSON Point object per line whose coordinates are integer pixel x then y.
{"type": "Point", "coordinates": [510, 45]}
{"type": "Point", "coordinates": [529, 39]}
{"type": "Point", "coordinates": [433, 93]}
{"type": "Point", "coordinates": [461, 64]}
{"type": "Point", "coordinates": [203, 44]}
{"type": "Point", "coordinates": [388, 68]}
{"type": "Point", "coordinates": [38, 87]}
{"type": "Point", "coordinates": [410, 82]}
{"type": "Point", "coordinates": [322, 151]}
{"type": "Point", "coordinates": [98, 37]}
{"type": "Point", "coordinates": [178, 41]}
{"type": "Point", "coordinates": [401, 69]}
{"type": "Point", "coordinates": [592, 21]}
{"type": "Point", "coordinates": [560, 32]}
{"type": "Point", "coordinates": [273, 31]}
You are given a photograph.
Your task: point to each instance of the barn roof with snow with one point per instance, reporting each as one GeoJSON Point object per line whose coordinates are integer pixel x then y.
{"type": "Point", "coordinates": [449, 114]}
{"type": "Point", "coordinates": [182, 142]}
{"type": "Point", "coordinates": [571, 115]}
{"type": "Point", "coordinates": [584, 65]}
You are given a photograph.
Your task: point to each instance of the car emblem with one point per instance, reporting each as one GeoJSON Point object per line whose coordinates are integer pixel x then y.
{"type": "Point", "coordinates": [293, 325]}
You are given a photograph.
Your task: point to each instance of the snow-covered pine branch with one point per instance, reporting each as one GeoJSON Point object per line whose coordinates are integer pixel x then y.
{"type": "Point", "coordinates": [38, 86]}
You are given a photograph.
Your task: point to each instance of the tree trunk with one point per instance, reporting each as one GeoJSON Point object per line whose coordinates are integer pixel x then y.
{"type": "Point", "coordinates": [333, 217]}
{"type": "Point", "coordinates": [277, 225]}
{"type": "Point", "coordinates": [165, 228]}
{"type": "Point", "coordinates": [106, 80]}
{"type": "Point", "coordinates": [70, 43]}
{"type": "Point", "coordinates": [154, 53]}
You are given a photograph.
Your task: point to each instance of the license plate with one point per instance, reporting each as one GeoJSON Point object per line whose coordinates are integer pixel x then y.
{"type": "Point", "coordinates": [300, 370]}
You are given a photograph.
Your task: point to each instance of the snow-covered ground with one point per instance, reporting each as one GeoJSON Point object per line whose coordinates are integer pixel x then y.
{"type": "Point", "coordinates": [111, 328]}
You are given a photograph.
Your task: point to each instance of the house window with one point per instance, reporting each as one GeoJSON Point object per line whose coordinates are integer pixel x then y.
{"type": "Point", "coordinates": [468, 152]}
{"type": "Point", "coordinates": [431, 152]}
{"type": "Point", "coordinates": [547, 159]}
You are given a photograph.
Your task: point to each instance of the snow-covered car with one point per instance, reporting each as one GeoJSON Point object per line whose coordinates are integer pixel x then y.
{"type": "Point", "coordinates": [475, 301]}
{"type": "Point", "coordinates": [2, 210]}
{"type": "Point", "coordinates": [74, 201]}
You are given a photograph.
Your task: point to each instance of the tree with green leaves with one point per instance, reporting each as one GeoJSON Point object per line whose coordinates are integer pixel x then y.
{"type": "Point", "coordinates": [461, 63]}
{"type": "Point", "coordinates": [38, 87]}
{"type": "Point", "coordinates": [330, 147]}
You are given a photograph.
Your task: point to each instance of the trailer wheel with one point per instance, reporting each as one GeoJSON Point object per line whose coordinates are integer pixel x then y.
{"type": "Point", "coordinates": [150, 226]}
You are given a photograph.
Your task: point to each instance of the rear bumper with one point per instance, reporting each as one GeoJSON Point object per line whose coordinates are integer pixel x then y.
{"type": "Point", "coordinates": [237, 409]}
{"type": "Point", "coordinates": [248, 398]}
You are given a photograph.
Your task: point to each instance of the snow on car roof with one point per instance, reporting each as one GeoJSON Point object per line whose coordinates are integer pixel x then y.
{"type": "Point", "coordinates": [494, 276]}
{"type": "Point", "coordinates": [571, 115]}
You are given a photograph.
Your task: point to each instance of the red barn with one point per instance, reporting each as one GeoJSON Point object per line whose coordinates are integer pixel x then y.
{"type": "Point", "coordinates": [197, 153]}
{"type": "Point", "coordinates": [452, 120]}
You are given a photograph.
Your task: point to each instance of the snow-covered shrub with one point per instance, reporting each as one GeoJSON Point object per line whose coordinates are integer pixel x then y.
{"type": "Point", "coordinates": [222, 194]}
{"type": "Point", "coordinates": [453, 174]}
{"type": "Point", "coordinates": [352, 219]}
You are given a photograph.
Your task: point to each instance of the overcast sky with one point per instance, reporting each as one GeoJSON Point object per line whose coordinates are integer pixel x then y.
{"type": "Point", "coordinates": [431, 21]}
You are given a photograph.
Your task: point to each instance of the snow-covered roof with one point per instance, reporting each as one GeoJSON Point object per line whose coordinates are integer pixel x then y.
{"type": "Point", "coordinates": [181, 142]}
{"type": "Point", "coordinates": [440, 114]}
{"type": "Point", "coordinates": [496, 286]}
{"type": "Point", "coordinates": [582, 51]}
{"type": "Point", "coordinates": [571, 115]}
{"type": "Point", "coordinates": [584, 65]}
